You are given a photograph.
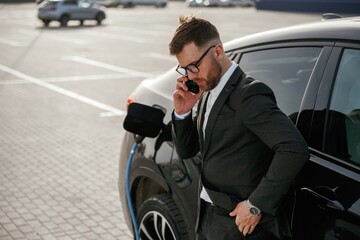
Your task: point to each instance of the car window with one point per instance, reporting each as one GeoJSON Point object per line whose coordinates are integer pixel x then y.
{"type": "Point", "coordinates": [50, 4]}
{"type": "Point", "coordinates": [343, 130]}
{"type": "Point", "coordinates": [84, 3]}
{"type": "Point", "coordinates": [285, 70]}
{"type": "Point", "coordinates": [70, 2]}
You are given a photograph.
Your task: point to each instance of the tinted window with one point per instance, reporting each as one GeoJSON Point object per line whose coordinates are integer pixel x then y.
{"type": "Point", "coordinates": [70, 2]}
{"type": "Point", "coordinates": [84, 3]}
{"type": "Point", "coordinates": [343, 130]}
{"type": "Point", "coordinates": [285, 70]}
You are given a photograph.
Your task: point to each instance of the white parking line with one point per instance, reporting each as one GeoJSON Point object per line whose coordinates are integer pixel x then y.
{"type": "Point", "coordinates": [160, 56]}
{"type": "Point", "coordinates": [117, 37]}
{"type": "Point", "coordinates": [111, 110]}
{"type": "Point", "coordinates": [107, 66]}
{"type": "Point", "coordinates": [69, 79]}
{"type": "Point", "coordinates": [55, 37]}
{"type": "Point", "coordinates": [142, 32]}
{"type": "Point", "coordinates": [11, 42]}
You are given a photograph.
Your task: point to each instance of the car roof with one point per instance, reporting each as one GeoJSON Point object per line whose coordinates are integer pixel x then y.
{"type": "Point", "coordinates": [335, 29]}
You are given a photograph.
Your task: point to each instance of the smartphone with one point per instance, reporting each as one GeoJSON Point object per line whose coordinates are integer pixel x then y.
{"type": "Point", "coordinates": [192, 86]}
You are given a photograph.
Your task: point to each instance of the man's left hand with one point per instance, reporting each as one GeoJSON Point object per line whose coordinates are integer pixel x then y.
{"type": "Point", "coordinates": [244, 220]}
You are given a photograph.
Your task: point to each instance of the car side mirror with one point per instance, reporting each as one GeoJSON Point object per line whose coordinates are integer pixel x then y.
{"type": "Point", "coordinates": [144, 120]}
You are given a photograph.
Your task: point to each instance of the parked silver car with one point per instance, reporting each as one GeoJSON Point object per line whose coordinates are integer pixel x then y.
{"type": "Point", "coordinates": [66, 10]}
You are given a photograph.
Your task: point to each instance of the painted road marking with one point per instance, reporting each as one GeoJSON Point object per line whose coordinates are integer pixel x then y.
{"type": "Point", "coordinates": [160, 56]}
{"type": "Point", "coordinates": [111, 110]}
{"type": "Point", "coordinates": [11, 42]}
{"type": "Point", "coordinates": [69, 79]}
{"type": "Point", "coordinates": [107, 66]}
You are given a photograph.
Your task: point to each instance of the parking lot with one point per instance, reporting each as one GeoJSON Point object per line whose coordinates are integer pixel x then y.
{"type": "Point", "coordinates": [63, 94]}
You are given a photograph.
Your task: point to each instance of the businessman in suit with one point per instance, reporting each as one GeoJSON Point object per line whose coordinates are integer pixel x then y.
{"type": "Point", "coordinates": [250, 150]}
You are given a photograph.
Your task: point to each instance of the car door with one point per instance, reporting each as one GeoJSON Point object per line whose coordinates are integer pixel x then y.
{"type": "Point", "coordinates": [70, 7]}
{"type": "Point", "coordinates": [328, 189]}
{"type": "Point", "coordinates": [84, 10]}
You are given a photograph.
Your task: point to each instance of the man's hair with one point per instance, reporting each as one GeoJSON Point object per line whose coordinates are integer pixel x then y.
{"type": "Point", "coordinates": [192, 29]}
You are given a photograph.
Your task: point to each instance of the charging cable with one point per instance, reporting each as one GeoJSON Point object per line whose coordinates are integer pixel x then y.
{"type": "Point", "coordinates": [138, 140]}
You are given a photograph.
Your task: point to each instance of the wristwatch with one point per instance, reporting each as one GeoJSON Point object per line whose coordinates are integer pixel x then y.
{"type": "Point", "coordinates": [252, 209]}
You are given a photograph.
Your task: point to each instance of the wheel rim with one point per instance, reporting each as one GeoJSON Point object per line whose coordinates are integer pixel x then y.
{"type": "Point", "coordinates": [154, 226]}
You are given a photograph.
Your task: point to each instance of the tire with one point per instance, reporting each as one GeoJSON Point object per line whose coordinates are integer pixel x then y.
{"type": "Point", "coordinates": [64, 20]}
{"type": "Point", "coordinates": [161, 5]}
{"type": "Point", "coordinates": [156, 212]}
{"type": "Point", "coordinates": [99, 18]}
{"type": "Point", "coordinates": [46, 22]}
{"type": "Point", "coordinates": [128, 5]}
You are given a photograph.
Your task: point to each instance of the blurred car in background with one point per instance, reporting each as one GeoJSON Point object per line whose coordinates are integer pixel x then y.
{"type": "Point", "coordinates": [67, 10]}
{"type": "Point", "coordinates": [314, 72]}
{"type": "Point", "coordinates": [133, 3]}
{"type": "Point", "coordinates": [220, 3]}
{"type": "Point", "coordinates": [107, 3]}
{"type": "Point", "coordinates": [337, 6]}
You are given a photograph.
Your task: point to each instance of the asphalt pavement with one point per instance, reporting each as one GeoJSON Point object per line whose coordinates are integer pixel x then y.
{"type": "Point", "coordinates": [63, 94]}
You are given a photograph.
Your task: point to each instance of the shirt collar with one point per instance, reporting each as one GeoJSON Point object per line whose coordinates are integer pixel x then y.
{"type": "Point", "coordinates": [214, 93]}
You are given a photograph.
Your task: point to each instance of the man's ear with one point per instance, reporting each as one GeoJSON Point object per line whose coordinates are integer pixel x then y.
{"type": "Point", "coordinates": [219, 51]}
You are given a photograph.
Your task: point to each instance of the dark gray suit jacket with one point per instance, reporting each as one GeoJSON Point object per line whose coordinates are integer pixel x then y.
{"type": "Point", "coordinates": [251, 151]}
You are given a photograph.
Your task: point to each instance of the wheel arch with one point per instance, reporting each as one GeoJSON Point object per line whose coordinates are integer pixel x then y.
{"type": "Point", "coordinates": [146, 184]}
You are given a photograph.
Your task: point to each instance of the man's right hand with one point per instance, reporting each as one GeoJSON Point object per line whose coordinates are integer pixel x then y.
{"type": "Point", "coordinates": [184, 100]}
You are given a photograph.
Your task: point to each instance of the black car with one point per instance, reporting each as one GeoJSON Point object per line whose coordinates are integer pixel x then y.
{"type": "Point", "coordinates": [314, 71]}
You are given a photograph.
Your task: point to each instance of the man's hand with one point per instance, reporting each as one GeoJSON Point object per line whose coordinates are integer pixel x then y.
{"type": "Point", "coordinates": [245, 221]}
{"type": "Point", "coordinates": [183, 99]}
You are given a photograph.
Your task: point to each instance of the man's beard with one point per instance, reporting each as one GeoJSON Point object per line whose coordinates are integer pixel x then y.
{"type": "Point", "coordinates": [214, 77]}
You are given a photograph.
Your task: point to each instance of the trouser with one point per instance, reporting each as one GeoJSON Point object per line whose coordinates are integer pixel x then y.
{"type": "Point", "coordinates": [216, 224]}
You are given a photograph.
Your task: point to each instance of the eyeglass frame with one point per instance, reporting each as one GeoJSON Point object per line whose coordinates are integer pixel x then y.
{"type": "Point", "coordinates": [196, 64]}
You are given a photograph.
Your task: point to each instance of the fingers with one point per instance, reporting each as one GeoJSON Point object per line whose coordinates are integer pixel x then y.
{"type": "Point", "coordinates": [232, 214]}
{"type": "Point", "coordinates": [247, 229]}
{"type": "Point", "coordinates": [182, 79]}
{"type": "Point", "coordinates": [245, 222]}
{"type": "Point", "coordinates": [180, 83]}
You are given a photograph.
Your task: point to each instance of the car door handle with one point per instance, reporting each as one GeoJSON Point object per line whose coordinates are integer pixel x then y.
{"type": "Point", "coordinates": [327, 195]}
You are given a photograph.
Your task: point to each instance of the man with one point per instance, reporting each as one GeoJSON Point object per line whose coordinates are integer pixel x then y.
{"type": "Point", "coordinates": [251, 151]}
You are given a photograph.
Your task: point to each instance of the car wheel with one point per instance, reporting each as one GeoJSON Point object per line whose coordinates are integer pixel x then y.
{"type": "Point", "coordinates": [64, 20]}
{"type": "Point", "coordinates": [99, 18]}
{"type": "Point", "coordinates": [46, 22]}
{"type": "Point", "coordinates": [160, 219]}
{"type": "Point", "coordinates": [128, 5]}
{"type": "Point", "coordinates": [161, 5]}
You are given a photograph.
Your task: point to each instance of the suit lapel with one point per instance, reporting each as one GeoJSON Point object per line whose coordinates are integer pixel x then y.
{"type": "Point", "coordinates": [228, 88]}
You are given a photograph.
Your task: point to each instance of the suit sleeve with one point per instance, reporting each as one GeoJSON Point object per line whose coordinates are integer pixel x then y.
{"type": "Point", "coordinates": [185, 137]}
{"type": "Point", "coordinates": [274, 128]}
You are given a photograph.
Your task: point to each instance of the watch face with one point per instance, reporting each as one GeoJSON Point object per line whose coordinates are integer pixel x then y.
{"type": "Point", "coordinates": [254, 211]}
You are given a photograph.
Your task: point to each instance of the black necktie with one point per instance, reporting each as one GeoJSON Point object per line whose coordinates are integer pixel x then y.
{"type": "Point", "coordinates": [202, 117]}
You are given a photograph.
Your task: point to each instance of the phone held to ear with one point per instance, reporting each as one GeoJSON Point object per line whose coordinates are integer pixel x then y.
{"type": "Point", "coordinates": [192, 86]}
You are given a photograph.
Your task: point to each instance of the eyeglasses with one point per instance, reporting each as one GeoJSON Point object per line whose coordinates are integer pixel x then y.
{"type": "Point", "coordinates": [194, 67]}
